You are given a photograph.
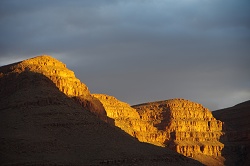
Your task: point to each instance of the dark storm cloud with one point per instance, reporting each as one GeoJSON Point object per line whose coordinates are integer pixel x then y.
{"type": "Point", "coordinates": [138, 50]}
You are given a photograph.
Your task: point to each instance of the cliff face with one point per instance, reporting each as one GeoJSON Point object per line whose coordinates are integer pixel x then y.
{"type": "Point", "coordinates": [190, 128]}
{"type": "Point", "coordinates": [63, 78]}
{"type": "Point", "coordinates": [129, 120]}
{"type": "Point", "coordinates": [124, 116]}
{"type": "Point", "coordinates": [55, 70]}
{"type": "Point", "coordinates": [182, 125]}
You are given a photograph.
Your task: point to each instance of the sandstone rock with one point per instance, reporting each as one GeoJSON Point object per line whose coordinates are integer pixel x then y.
{"type": "Point", "coordinates": [128, 119]}
{"type": "Point", "coordinates": [184, 126]}
{"type": "Point", "coordinates": [190, 129]}
{"type": "Point", "coordinates": [56, 71]}
{"type": "Point", "coordinates": [62, 77]}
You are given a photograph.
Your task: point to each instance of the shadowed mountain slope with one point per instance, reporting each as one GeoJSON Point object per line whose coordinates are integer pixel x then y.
{"type": "Point", "coordinates": [236, 117]}
{"type": "Point", "coordinates": [237, 138]}
{"type": "Point", "coordinates": [41, 124]}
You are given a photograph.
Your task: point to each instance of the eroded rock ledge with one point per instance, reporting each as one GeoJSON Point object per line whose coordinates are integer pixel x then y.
{"type": "Point", "coordinates": [190, 128]}
{"type": "Point", "coordinates": [62, 77]}
{"type": "Point", "coordinates": [128, 119]}
{"type": "Point", "coordinates": [182, 125]}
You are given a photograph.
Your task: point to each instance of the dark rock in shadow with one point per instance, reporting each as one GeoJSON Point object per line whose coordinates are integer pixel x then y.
{"type": "Point", "coordinates": [237, 133]}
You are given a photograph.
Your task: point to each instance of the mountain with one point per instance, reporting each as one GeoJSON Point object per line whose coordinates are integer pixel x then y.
{"type": "Point", "coordinates": [214, 138]}
{"type": "Point", "coordinates": [63, 78]}
{"type": "Point", "coordinates": [129, 120]}
{"type": "Point", "coordinates": [237, 133]}
{"type": "Point", "coordinates": [219, 137]}
{"type": "Point", "coordinates": [48, 117]}
{"type": "Point", "coordinates": [236, 117]}
{"type": "Point", "coordinates": [178, 124]}
{"type": "Point", "coordinates": [188, 128]}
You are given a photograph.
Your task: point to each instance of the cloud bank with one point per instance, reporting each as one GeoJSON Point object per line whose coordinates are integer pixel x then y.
{"type": "Point", "coordinates": [138, 50]}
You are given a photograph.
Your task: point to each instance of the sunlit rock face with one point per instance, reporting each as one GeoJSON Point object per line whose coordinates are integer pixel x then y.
{"type": "Point", "coordinates": [62, 77]}
{"type": "Point", "coordinates": [56, 71]}
{"type": "Point", "coordinates": [190, 128]}
{"type": "Point", "coordinates": [129, 120]}
{"type": "Point", "coordinates": [184, 126]}
{"type": "Point", "coordinates": [179, 124]}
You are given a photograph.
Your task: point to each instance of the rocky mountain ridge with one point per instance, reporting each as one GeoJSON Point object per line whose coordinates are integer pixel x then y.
{"type": "Point", "coordinates": [129, 120]}
{"type": "Point", "coordinates": [178, 124]}
{"type": "Point", "coordinates": [41, 125]}
{"type": "Point", "coordinates": [190, 128]}
{"type": "Point", "coordinates": [63, 78]}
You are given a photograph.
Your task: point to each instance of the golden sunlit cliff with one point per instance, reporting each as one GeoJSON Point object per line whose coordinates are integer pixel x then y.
{"type": "Point", "coordinates": [47, 111]}
{"type": "Point", "coordinates": [184, 126]}
{"type": "Point", "coordinates": [42, 124]}
{"type": "Point", "coordinates": [190, 128]}
{"type": "Point", "coordinates": [129, 120]}
{"type": "Point", "coordinates": [63, 78]}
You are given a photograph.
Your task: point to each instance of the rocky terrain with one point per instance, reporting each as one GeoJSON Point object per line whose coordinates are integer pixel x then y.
{"type": "Point", "coordinates": [237, 138]}
{"type": "Point", "coordinates": [214, 138]}
{"type": "Point", "coordinates": [63, 78]}
{"type": "Point", "coordinates": [42, 122]}
{"type": "Point", "coordinates": [129, 120]}
{"type": "Point", "coordinates": [181, 125]}
{"type": "Point", "coordinates": [49, 117]}
{"type": "Point", "coordinates": [190, 129]}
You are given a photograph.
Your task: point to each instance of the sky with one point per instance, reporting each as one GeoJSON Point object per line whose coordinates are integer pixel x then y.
{"type": "Point", "coordinates": [138, 50]}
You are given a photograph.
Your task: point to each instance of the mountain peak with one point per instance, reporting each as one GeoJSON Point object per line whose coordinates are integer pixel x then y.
{"type": "Point", "coordinates": [46, 60]}
{"type": "Point", "coordinates": [53, 69]}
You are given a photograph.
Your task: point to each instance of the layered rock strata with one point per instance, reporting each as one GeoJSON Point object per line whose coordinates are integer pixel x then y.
{"type": "Point", "coordinates": [182, 125]}
{"type": "Point", "coordinates": [129, 120]}
{"type": "Point", "coordinates": [63, 78]}
{"type": "Point", "coordinates": [190, 128]}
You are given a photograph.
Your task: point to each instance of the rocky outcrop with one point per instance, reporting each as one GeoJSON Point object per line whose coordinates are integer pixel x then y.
{"type": "Point", "coordinates": [129, 120]}
{"type": "Point", "coordinates": [190, 129]}
{"type": "Point", "coordinates": [55, 70]}
{"type": "Point", "coordinates": [179, 124]}
{"type": "Point", "coordinates": [63, 78]}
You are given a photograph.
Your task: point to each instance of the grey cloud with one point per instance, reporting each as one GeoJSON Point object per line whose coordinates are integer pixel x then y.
{"type": "Point", "coordinates": [138, 50]}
